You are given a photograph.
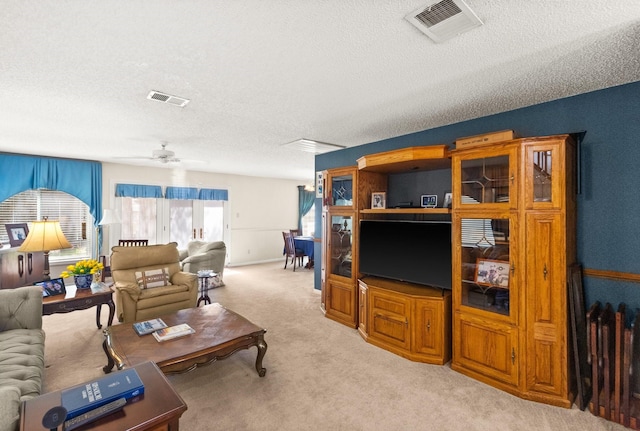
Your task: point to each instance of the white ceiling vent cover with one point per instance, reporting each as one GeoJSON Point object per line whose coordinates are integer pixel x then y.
{"type": "Point", "coordinates": [444, 20]}
{"type": "Point", "coordinates": [167, 98]}
{"type": "Point", "coordinates": [311, 146]}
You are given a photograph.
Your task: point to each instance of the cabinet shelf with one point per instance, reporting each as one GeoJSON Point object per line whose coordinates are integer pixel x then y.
{"type": "Point", "coordinates": [407, 160]}
{"type": "Point", "coordinates": [407, 211]}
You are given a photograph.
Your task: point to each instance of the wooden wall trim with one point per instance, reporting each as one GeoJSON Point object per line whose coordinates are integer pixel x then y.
{"type": "Point", "coordinates": [612, 275]}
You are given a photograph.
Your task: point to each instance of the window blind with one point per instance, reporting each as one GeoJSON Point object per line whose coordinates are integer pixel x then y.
{"type": "Point", "coordinates": [73, 215]}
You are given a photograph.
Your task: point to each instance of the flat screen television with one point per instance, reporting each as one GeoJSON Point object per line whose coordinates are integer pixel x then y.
{"type": "Point", "coordinates": [417, 252]}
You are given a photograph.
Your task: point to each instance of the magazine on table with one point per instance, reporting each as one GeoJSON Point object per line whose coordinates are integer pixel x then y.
{"type": "Point", "coordinates": [173, 332]}
{"type": "Point", "coordinates": [149, 326]}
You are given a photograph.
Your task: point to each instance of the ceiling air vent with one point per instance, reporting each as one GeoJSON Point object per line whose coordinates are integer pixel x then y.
{"type": "Point", "coordinates": [444, 20]}
{"type": "Point", "coordinates": [167, 98]}
{"type": "Point", "coordinates": [311, 146]}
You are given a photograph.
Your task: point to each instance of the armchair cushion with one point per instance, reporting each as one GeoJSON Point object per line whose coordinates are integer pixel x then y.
{"type": "Point", "coordinates": [152, 278]}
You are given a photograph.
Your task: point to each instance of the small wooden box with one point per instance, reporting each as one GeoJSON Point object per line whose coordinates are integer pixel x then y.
{"type": "Point", "coordinates": [487, 138]}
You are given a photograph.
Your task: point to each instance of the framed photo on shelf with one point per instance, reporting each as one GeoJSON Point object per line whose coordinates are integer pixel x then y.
{"type": "Point", "coordinates": [17, 233]}
{"type": "Point", "coordinates": [447, 200]}
{"type": "Point", "coordinates": [493, 273]}
{"type": "Point", "coordinates": [52, 287]}
{"type": "Point", "coordinates": [429, 201]}
{"type": "Point", "coordinates": [378, 200]}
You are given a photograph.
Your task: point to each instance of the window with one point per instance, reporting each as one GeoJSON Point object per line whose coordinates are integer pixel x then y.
{"type": "Point", "coordinates": [309, 222]}
{"type": "Point", "coordinates": [139, 218]}
{"type": "Point", "coordinates": [74, 216]}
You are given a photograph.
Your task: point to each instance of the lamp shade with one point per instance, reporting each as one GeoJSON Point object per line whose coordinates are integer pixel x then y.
{"type": "Point", "coordinates": [109, 217]}
{"type": "Point", "coordinates": [45, 235]}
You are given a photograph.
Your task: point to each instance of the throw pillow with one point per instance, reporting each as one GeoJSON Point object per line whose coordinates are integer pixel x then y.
{"type": "Point", "coordinates": [152, 278]}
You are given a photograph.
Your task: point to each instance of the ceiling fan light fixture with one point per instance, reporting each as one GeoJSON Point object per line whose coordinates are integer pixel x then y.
{"type": "Point", "coordinates": [311, 146]}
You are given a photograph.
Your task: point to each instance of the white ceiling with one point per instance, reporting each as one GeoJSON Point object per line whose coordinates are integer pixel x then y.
{"type": "Point", "coordinates": [74, 74]}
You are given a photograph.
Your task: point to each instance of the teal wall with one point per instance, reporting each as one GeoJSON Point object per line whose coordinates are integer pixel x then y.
{"type": "Point", "coordinates": [608, 228]}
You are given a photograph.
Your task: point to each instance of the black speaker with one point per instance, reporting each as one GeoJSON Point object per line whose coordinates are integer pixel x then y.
{"type": "Point", "coordinates": [54, 417]}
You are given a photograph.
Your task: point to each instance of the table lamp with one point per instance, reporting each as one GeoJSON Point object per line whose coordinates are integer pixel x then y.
{"type": "Point", "coordinates": [45, 235]}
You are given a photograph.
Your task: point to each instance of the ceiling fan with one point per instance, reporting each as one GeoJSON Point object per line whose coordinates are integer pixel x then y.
{"type": "Point", "coordinates": [162, 155]}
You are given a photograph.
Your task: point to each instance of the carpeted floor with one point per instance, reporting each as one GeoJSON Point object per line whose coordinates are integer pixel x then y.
{"type": "Point", "coordinates": [320, 375]}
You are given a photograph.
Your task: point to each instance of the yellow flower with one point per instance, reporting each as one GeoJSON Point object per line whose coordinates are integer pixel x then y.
{"type": "Point", "coordinates": [87, 266]}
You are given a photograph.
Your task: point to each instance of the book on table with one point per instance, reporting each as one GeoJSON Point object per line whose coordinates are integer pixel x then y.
{"type": "Point", "coordinates": [91, 395]}
{"type": "Point", "coordinates": [149, 326]}
{"type": "Point", "coordinates": [173, 332]}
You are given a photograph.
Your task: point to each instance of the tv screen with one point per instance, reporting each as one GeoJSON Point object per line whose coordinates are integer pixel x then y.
{"type": "Point", "coordinates": [417, 252]}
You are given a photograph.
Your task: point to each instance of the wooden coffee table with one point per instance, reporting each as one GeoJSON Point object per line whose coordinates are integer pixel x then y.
{"type": "Point", "coordinates": [80, 299]}
{"type": "Point", "coordinates": [159, 408]}
{"type": "Point", "coordinates": [219, 333]}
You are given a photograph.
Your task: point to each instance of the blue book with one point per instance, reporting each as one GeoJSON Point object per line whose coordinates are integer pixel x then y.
{"type": "Point", "coordinates": [82, 398]}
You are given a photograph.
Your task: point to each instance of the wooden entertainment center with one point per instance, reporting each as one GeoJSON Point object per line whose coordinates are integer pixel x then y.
{"type": "Point", "coordinates": [504, 321]}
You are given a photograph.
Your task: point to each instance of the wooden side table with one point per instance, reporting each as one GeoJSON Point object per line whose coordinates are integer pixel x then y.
{"type": "Point", "coordinates": [159, 408]}
{"type": "Point", "coordinates": [80, 299]}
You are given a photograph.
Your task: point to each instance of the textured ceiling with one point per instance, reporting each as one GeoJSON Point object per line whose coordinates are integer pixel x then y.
{"type": "Point", "coordinates": [74, 75]}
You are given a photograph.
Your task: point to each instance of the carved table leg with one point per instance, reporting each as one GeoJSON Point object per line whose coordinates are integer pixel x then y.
{"type": "Point", "coordinates": [98, 309]}
{"type": "Point", "coordinates": [112, 356]}
{"type": "Point", "coordinates": [107, 368]}
{"type": "Point", "coordinates": [262, 349]}
{"type": "Point", "coordinates": [112, 312]}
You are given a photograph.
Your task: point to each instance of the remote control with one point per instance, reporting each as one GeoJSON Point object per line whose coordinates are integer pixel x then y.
{"type": "Point", "coordinates": [94, 414]}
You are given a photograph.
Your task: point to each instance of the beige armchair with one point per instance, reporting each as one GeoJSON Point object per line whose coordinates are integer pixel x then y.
{"type": "Point", "coordinates": [201, 255]}
{"type": "Point", "coordinates": [149, 282]}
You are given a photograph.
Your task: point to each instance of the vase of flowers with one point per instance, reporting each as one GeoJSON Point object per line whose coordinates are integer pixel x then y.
{"type": "Point", "coordinates": [83, 272]}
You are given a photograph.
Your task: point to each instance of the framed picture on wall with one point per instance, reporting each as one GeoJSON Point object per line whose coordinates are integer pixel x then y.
{"type": "Point", "coordinates": [17, 233]}
{"type": "Point", "coordinates": [378, 200]}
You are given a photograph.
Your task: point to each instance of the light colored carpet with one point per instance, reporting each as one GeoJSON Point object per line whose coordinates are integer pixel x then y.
{"type": "Point", "coordinates": [320, 375]}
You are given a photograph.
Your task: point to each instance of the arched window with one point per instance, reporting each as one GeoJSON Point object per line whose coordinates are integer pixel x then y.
{"type": "Point", "coordinates": [74, 216]}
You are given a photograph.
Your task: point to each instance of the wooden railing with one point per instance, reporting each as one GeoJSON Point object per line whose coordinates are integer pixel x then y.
{"type": "Point", "coordinates": [612, 275]}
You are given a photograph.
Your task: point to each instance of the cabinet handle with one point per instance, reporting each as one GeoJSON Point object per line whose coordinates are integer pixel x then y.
{"type": "Point", "coordinates": [20, 265]}
{"type": "Point", "coordinates": [513, 269]}
{"type": "Point", "coordinates": [428, 325]}
{"type": "Point", "coordinates": [30, 263]}
{"type": "Point", "coordinates": [406, 321]}
{"type": "Point", "coordinates": [201, 237]}
{"type": "Point", "coordinates": [512, 178]}
{"type": "Point", "coordinates": [513, 355]}
{"type": "Point", "coordinates": [544, 271]}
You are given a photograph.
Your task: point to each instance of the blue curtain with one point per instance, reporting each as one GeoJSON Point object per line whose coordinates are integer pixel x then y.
{"type": "Point", "coordinates": [79, 178]}
{"type": "Point", "coordinates": [213, 195]}
{"type": "Point", "coordinates": [185, 193]}
{"type": "Point", "coordinates": [306, 198]}
{"type": "Point", "coordinates": [138, 191]}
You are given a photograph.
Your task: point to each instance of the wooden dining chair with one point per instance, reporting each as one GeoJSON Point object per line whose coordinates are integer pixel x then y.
{"type": "Point", "coordinates": [295, 232]}
{"type": "Point", "coordinates": [291, 252]}
{"type": "Point", "coordinates": [133, 242]}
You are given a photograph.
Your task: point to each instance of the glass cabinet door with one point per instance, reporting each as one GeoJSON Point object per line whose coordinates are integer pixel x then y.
{"type": "Point", "coordinates": [340, 245]}
{"type": "Point", "coordinates": [487, 178]}
{"type": "Point", "coordinates": [485, 263]}
{"type": "Point", "coordinates": [342, 190]}
{"type": "Point", "coordinates": [543, 172]}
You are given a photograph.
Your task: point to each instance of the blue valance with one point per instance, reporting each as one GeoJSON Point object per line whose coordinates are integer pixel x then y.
{"type": "Point", "coordinates": [185, 193]}
{"type": "Point", "coordinates": [138, 191]}
{"type": "Point", "coordinates": [213, 195]}
{"type": "Point", "coordinates": [79, 178]}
